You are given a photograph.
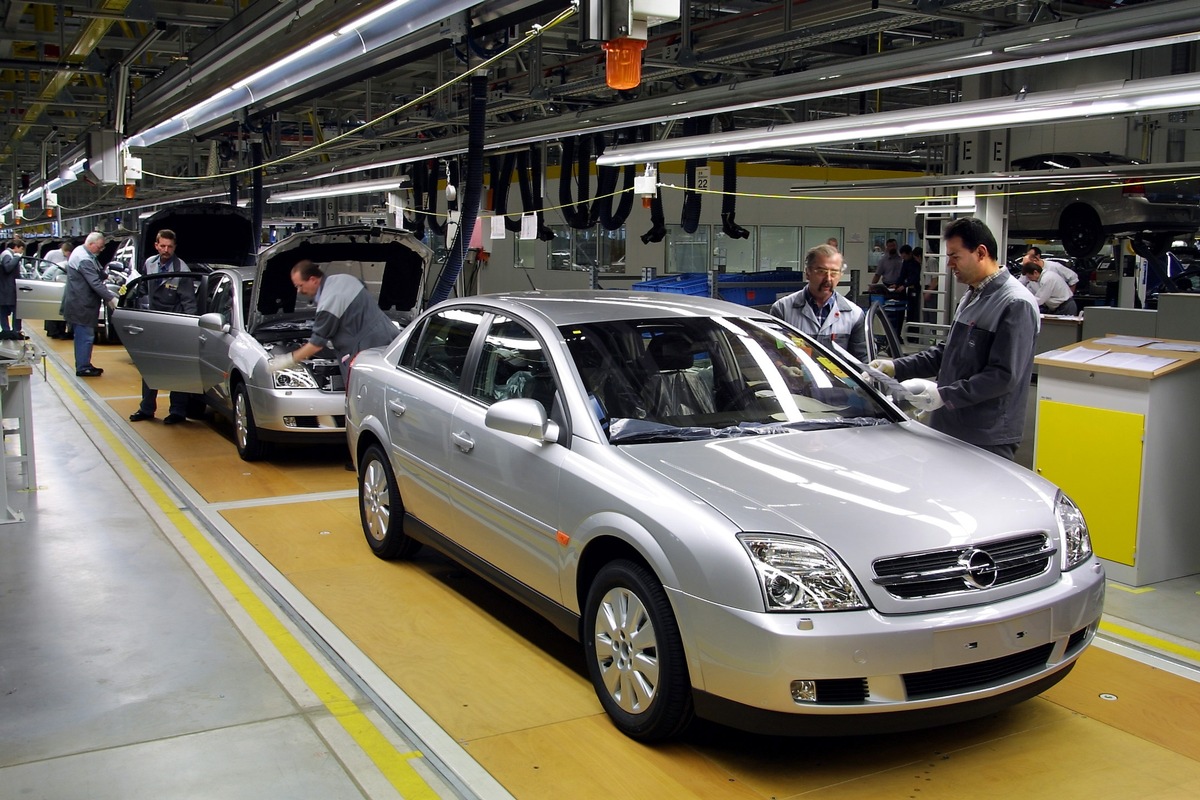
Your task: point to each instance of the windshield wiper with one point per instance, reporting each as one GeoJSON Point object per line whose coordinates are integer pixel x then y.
{"type": "Point", "coordinates": [837, 422]}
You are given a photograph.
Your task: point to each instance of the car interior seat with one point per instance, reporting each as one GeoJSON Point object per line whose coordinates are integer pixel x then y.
{"type": "Point", "coordinates": [675, 387]}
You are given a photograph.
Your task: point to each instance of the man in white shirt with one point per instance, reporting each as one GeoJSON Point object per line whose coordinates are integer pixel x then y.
{"type": "Point", "coordinates": [1034, 256]}
{"type": "Point", "coordinates": [1051, 291]}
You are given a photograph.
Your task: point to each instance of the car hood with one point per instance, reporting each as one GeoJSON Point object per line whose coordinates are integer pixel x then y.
{"type": "Point", "coordinates": [392, 263]}
{"type": "Point", "coordinates": [866, 492]}
{"type": "Point", "coordinates": [211, 234]}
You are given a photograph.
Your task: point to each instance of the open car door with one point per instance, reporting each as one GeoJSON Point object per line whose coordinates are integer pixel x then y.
{"type": "Point", "coordinates": [158, 321]}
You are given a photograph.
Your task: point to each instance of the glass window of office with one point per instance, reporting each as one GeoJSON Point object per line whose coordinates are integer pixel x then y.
{"type": "Point", "coordinates": [779, 247]}
{"type": "Point", "coordinates": [583, 250]}
{"type": "Point", "coordinates": [736, 255]}
{"type": "Point", "coordinates": [687, 252]}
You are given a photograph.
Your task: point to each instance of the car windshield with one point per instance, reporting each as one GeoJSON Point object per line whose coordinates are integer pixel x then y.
{"type": "Point", "coordinates": [704, 377]}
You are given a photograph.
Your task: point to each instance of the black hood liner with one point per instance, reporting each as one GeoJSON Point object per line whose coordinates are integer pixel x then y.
{"type": "Point", "coordinates": [400, 287]}
{"type": "Point", "coordinates": [206, 233]}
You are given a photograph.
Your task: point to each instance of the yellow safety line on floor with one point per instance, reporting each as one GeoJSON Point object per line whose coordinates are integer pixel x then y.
{"type": "Point", "coordinates": [393, 764]}
{"type": "Point", "coordinates": [1130, 589]}
{"type": "Point", "coordinates": [1151, 641]}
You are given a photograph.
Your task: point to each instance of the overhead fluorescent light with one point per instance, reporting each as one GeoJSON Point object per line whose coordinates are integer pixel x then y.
{"type": "Point", "coordinates": [375, 29]}
{"type": "Point", "coordinates": [1108, 99]}
{"type": "Point", "coordinates": [340, 189]}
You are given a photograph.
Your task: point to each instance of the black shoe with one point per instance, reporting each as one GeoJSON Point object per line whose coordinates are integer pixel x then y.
{"type": "Point", "coordinates": [89, 372]}
{"type": "Point", "coordinates": [139, 416]}
{"type": "Point", "coordinates": [174, 419]}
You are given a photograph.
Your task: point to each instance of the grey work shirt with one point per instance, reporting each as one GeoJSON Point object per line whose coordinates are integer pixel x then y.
{"type": "Point", "coordinates": [349, 318]}
{"type": "Point", "coordinates": [844, 325]}
{"type": "Point", "coordinates": [984, 367]}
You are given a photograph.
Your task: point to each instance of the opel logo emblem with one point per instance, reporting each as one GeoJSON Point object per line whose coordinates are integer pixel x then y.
{"type": "Point", "coordinates": [979, 568]}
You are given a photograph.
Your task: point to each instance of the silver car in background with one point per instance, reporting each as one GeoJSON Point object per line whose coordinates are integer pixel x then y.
{"type": "Point", "coordinates": [728, 517]}
{"type": "Point", "coordinates": [247, 315]}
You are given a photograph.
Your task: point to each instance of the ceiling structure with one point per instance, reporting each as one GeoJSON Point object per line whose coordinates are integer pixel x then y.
{"type": "Point", "coordinates": [70, 67]}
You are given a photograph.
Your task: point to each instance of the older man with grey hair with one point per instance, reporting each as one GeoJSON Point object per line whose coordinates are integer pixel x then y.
{"type": "Point", "coordinates": [82, 296]}
{"type": "Point", "coordinates": [819, 310]}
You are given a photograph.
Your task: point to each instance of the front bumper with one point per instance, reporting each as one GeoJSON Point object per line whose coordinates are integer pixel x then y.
{"type": "Point", "coordinates": [876, 665]}
{"type": "Point", "coordinates": [298, 413]}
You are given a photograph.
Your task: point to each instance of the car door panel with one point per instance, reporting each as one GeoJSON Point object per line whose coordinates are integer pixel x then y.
{"type": "Point", "coordinates": [165, 347]}
{"type": "Point", "coordinates": [503, 486]}
{"type": "Point", "coordinates": [505, 491]}
{"type": "Point", "coordinates": [37, 299]}
{"type": "Point", "coordinates": [221, 297]}
{"type": "Point", "coordinates": [419, 415]}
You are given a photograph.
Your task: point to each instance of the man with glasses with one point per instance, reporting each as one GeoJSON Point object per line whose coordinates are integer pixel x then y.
{"type": "Point", "coordinates": [819, 310]}
{"type": "Point", "coordinates": [984, 367]}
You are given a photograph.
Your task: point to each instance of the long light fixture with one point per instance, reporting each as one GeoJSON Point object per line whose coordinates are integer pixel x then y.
{"type": "Point", "coordinates": [370, 32]}
{"type": "Point", "coordinates": [1106, 99]}
{"type": "Point", "coordinates": [340, 189]}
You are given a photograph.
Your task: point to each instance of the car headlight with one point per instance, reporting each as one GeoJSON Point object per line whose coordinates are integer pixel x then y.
{"type": "Point", "coordinates": [800, 575]}
{"type": "Point", "coordinates": [1076, 541]}
{"type": "Point", "coordinates": [295, 378]}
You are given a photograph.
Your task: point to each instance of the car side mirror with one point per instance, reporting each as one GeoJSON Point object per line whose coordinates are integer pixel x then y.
{"type": "Point", "coordinates": [522, 416]}
{"type": "Point", "coordinates": [214, 322]}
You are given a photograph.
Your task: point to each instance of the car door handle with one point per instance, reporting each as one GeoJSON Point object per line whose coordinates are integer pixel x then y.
{"type": "Point", "coordinates": [463, 441]}
{"type": "Point", "coordinates": [24, 288]}
{"type": "Point", "coordinates": [397, 407]}
{"type": "Point", "coordinates": [133, 329]}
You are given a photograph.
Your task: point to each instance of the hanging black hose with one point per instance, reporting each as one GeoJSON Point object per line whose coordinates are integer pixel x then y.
{"type": "Point", "coordinates": [658, 221]}
{"type": "Point", "coordinates": [729, 202]}
{"type": "Point", "coordinates": [470, 203]}
{"type": "Point", "coordinates": [576, 165]}
{"type": "Point", "coordinates": [606, 186]}
{"type": "Point", "coordinates": [530, 169]}
{"type": "Point", "coordinates": [501, 172]}
{"type": "Point", "coordinates": [689, 218]}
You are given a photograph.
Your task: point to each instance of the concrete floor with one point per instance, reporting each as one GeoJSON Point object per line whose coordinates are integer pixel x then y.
{"type": "Point", "coordinates": [138, 661]}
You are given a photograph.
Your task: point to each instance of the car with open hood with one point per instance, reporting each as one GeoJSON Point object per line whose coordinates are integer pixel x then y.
{"type": "Point", "coordinates": [220, 345]}
{"type": "Point", "coordinates": [730, 518]}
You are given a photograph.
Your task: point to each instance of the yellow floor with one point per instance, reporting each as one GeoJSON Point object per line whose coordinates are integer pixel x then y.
{"type": "Point", "coordinates": [513, 690]}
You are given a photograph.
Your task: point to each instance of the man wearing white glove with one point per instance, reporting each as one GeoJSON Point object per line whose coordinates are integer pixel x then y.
{"type": "Point", "coordinates": [983, 369]}
{"type": "Point", "coordinates": [884, 365]}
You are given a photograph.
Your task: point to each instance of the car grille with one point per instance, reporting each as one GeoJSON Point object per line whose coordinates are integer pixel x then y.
{"type": "Point", "coordinates": [841, 690]}
{"type": "Point", "coordinates": [952, 680]}
{"type": "Point", "coordinates": [965, 569]}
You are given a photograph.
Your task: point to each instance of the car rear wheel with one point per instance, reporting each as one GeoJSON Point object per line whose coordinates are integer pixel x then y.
{"type": "Point", "coordinates": [380, 507]}
{"type": "Point", "coordinates": [1080, 232]}
{"type": "Point", "coordinates": [634, 653]}
{"type": "Point", "coordinates": [245, 431]}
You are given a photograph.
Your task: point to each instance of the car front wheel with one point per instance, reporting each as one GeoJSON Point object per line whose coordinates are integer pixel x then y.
{"type": "Point", "coordinates": [635, 654]}
{"type": "Point", "coordinates": [380, 508]}
{"type": "Point", "coordinates": [245, 431]}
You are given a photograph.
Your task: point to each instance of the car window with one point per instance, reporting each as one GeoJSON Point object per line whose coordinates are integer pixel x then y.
{"type": "Point", "coordinates": [512, 364]}
{"type": "Point", "coordinates": [439, 350]}
{"type": "Point", "coordinates": [174, 292]}
{"type": "Point", "coordinates": [220, 298]}
{"type": "Point", "coordinates": [712, 376]}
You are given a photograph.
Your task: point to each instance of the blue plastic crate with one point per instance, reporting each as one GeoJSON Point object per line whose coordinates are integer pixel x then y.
{"type": "Point", "coordinates": [755, 289]}
{"type": "Point", "coordinates": [693, 283]}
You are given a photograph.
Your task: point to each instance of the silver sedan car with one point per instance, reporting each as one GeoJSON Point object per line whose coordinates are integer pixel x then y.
{"type": "Point", "coordinates": [727, 516]}
{"type": "Point", "coordinates": [214, 333]}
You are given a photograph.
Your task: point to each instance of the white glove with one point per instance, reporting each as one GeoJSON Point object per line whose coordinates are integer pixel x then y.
{"type": "Point", "coordinates": [112, 304]}
{"type": "Point", "coordinates": [280, 363]}
{"type": "Point", "coordinates": [885, 366]}
{"type": "Point", "coordinates": [923, 394]}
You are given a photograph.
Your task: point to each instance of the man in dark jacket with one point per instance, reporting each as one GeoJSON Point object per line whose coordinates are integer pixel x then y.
{"type": "Point", "coordinates": [983, 369]}
{"type": "Point", "coordinates": [177, 294]}
{"type": "Point", "coordinates": [82, 296]}
{"type": "Point", "coordinates": [10, 270]}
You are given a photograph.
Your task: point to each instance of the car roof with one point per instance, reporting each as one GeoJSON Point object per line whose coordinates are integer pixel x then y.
{"type": "Point", "coordinates": [578, 307]}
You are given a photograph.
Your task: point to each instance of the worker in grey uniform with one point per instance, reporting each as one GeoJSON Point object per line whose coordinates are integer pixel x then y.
{"type": "Point", "coordinates": [819, 310]}
{"type": "Point", "coordinates": [984, 367]}
{"type": "Point", "coordinates": [348, 318]}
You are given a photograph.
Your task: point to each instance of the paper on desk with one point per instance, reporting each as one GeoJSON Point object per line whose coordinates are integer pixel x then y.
{"type": "Point", "coordinates": [1132, 361]}
{"type": "Point", "coordinates": [1125, 341]}
{"type": "Point", "coordinates": [1177, 346]}
{"type": "Point", "coordinates": [1078, 355]}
